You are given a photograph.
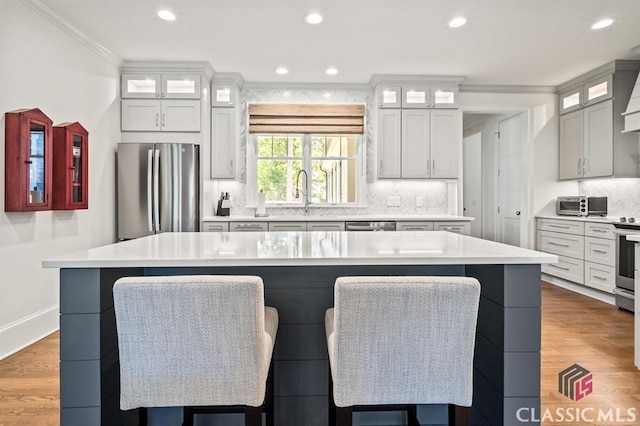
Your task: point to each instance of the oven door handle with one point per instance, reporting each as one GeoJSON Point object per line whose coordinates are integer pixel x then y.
{"type": "Point", "coordinates": [624, 293]}
{"type": "Point", "coordinates": [626, 232]}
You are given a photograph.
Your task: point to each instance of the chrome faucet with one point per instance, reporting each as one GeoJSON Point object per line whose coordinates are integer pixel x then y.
{"type": "Point", "coordinates": [305, 193]}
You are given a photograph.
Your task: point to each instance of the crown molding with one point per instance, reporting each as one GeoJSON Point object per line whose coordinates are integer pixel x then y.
{"type": "Point", "coordinates": [608, 68]}
{"type": "Point", "coordinates": [177, 67]}
{"type": "Point", "coordinates": [503, 88]}
{"type": "Point", "coordinates": [72, 30]}
{"type": "Point", "coordinates": [414, 78]}
{"type": "Point", "coordinates": [236, 77]}
{"type": "Point", "coordinates": [305, 86]}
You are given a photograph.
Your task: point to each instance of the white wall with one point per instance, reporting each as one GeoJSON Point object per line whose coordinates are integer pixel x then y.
{"type": "Point", "coordinates": [44, 67]}
{"type": "Point", "coordinates": [472, 165]}
{"type": "Point", "coordinates": [541, 149]}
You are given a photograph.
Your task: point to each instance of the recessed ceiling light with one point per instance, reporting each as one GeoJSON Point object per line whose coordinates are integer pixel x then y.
{"type": "Point", "coordinates": [457, 22]}
{"type": "Point", "coordinates": [331, 71]}
{"type": "Point", "coordinates": [166, 15]}
{"type": "Point", "coordinates": [604, 23]}
{"type": "Point", "coordinates": [282, 70]}
{"type": "Point", "coordinates": [313, 18]}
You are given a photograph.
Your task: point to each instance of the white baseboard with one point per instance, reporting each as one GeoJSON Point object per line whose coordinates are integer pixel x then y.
{"type": "Point", "coordinates": [578, 288]}
{"type": "Point", "coordinates": [28, 330]}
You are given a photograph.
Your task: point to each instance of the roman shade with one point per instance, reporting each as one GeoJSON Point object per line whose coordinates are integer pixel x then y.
{"type": "Point", "coordinates": [298, 118]}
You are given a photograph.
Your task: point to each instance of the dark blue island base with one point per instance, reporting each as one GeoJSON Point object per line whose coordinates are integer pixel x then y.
{"type": "Point", "coordinates": [507, 356]}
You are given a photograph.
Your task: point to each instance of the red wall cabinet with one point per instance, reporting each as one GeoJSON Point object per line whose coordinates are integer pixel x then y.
{"type": "Point", "coordinates": [28, 161]}
{"type": "Point", "coordinates": [70, 167]}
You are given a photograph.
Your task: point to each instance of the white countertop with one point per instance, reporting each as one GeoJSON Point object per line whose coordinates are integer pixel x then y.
{"type": "Point", "coordinates": [634, 237]}
{"type": "Point", "coordinates": [599, 219]}
{"type": "Point", "coordinates": [300, 249]}
{"type": "Point", "coordinates": [341, 218]}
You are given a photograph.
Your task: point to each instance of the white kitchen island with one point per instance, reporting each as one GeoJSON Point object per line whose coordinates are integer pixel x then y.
{"type": "Point", "coordinates": [299, 270]}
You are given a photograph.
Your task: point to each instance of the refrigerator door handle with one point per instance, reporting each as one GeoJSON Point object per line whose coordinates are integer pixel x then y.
{"type": "Point", "coordinates": [150, 190]}
{"type": "Point", "coordinates": [156, 189]}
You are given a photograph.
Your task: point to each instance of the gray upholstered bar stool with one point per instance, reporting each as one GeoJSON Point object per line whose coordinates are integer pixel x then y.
{"type": "Point", "coordinates": [400, 341]}
{"type": "Point", "coordinates": [197, 342]}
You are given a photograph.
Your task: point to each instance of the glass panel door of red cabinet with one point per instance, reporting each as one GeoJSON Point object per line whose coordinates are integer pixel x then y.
{"type": "Point", "coordinates": [28, 167]}
{"type": "Point", "coordinates": [70, 192]}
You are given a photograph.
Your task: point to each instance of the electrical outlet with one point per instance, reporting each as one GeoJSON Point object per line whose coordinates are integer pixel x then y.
{"type": "Point", "coordinates": [419, 201]}
{"type": "Point", "coordinates": [393, 201]}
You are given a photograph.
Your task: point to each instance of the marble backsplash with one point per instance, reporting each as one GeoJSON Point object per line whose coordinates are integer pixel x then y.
{"type": "Point", "coordinates": [623, 194]}
{"type": "Point", "coordinates": [434, 193]}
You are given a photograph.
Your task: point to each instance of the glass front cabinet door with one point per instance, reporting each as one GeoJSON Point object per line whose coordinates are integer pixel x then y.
{"type": "Point", "coordinates": [28, 161]}
{"type": "Point", "coordinates": [70, 172]}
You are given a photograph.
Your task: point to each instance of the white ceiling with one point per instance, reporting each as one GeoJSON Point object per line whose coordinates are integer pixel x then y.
{"type": "Point", "coordinates": [530, 42]}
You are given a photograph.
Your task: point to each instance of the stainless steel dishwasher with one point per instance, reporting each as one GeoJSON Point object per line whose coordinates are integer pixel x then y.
{"type": "Point", "coordinates": [370, 226]}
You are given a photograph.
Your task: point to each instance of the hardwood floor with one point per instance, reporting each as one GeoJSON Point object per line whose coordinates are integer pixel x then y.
{"type": "Point", "coordinates": [576, 330]}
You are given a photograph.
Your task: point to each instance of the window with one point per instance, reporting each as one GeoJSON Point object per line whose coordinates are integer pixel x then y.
{"type": "Point", "coordinates": [330, 161]}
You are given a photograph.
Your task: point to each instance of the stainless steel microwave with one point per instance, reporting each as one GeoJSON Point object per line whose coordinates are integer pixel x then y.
{"type": "Point", "coordinates": [581, 206]}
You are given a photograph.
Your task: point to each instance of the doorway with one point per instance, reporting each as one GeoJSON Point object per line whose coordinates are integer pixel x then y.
{"type": "Point", "coordinates": [494, 189]}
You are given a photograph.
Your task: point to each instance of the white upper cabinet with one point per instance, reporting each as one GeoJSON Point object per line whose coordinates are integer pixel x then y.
{"type": "Point", "coordinates": [389, 143]}
{"type": "Point", "coordinates": [592, 143]}
{"type": "Point", "coordinates": [161, 86]}
{"type": "Point", "coordinates": [445, 141]}
{"type": "Point", "coordinates": [150, 115]}
{"type": "Point", "coordinates": [224, 94]}
{"type": "Point", "coordinates": [418, 96]}
{"type": "Point", "coordinates": [223, 143]}
{"type": "Point", "coordinates": [593, 91]}
{"type": "Point", "coordinates": [389, 96]}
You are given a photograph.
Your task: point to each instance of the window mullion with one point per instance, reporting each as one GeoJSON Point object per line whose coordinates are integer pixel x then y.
{"type": "Point", "coordinates": [306, 163]}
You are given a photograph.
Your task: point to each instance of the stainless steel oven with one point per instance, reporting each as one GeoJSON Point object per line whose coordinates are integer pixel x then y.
{"type": "Point", "coordinates": [625, 267]}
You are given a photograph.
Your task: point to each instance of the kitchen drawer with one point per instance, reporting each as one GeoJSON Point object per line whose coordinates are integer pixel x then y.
{"type": "Point", "coordinates": [561, 244]}
{"type": "Point", "coordinates": [215, 226]}
{"type": "Point", "coordinates": [248, 226]}
{"type": "Point", "coordinates": [287, 226]}
{"type": "Point", "coordinates": [599, 230]}
{"type": "Point", "coordinates": [559, 225]}
{"type": "Point", "coordinates": [414, 226]}
{"type": "Point", "coordinates": [457, 227]}
{"type": "Point", "coordinates": [599, 250]}
{"type": "Point", "coordinates": [567, 268]}
{"type": "Point", "coordinates": [325, 226]}
{"type": "Point", "coordinates": [600, 277]}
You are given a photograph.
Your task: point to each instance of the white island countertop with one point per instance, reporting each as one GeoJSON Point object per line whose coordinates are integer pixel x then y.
{"type": "Point", "coordinates": [339, 218]}
{"type": "Point", "coordinates": [634, 237]}
{"type": "Point", "coordinates": [300, 249]}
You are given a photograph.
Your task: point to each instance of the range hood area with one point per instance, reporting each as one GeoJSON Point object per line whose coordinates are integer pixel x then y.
{"type": "Point", "coordinates": [632, 114]}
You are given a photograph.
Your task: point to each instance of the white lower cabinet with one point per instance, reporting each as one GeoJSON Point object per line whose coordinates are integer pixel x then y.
{"type": "Point", "coordinates": [568, 268]}
{"type": "Point", "coordinates": [601, 277]}
{"type": "Point", "coordinates": [215, 226]}
{"type": "Point", "coordinates": [325, 226]}
{"type": "Point", "coordinates": [287, 226]}
{"type": "Point", "coordinates": [586, 251]}
{"type": "Point", "coordinates": [456, 227]}
{"type": "Point", "coordinates": [414, 226]}
{"type": "Point", "coordinates": [248, 226]}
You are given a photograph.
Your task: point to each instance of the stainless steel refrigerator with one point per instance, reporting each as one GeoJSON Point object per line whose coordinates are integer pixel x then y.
{"type": "Point", "coordinates": [158, 188]}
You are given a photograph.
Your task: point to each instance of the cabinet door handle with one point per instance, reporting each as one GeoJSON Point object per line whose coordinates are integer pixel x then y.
{"type": "Point", "coordinates": [433, 166]}
{"type": "Point", "coordinates": [600, 251]}
{"type": "Point", "coordinates": [157, 95]}
{"type": "Point", "coordinates": [599, 278]}
{"type": "Point", "coordinates": [599, 230]}
{"type": "Point", "coordinates": [558, 244]}
{"type": "Point", "coordinates": [381, 169]}
{"type": "Point", "coordinates": [559, 226]}
{"type": "Point", "coordinates": [163, 119]}
{"type": "Point", "coordinates": [559, 267]}
{"type": "Point", "coordinates": [231, 164]}
{"type": "Point", "coordinates": [157, 118]}
{"type": "Point", "coordinates": [579, 164]}
{"type": "Point", "coordinates": [585, 165]}
{"type": "Point", "coordinates": [164, 95]}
